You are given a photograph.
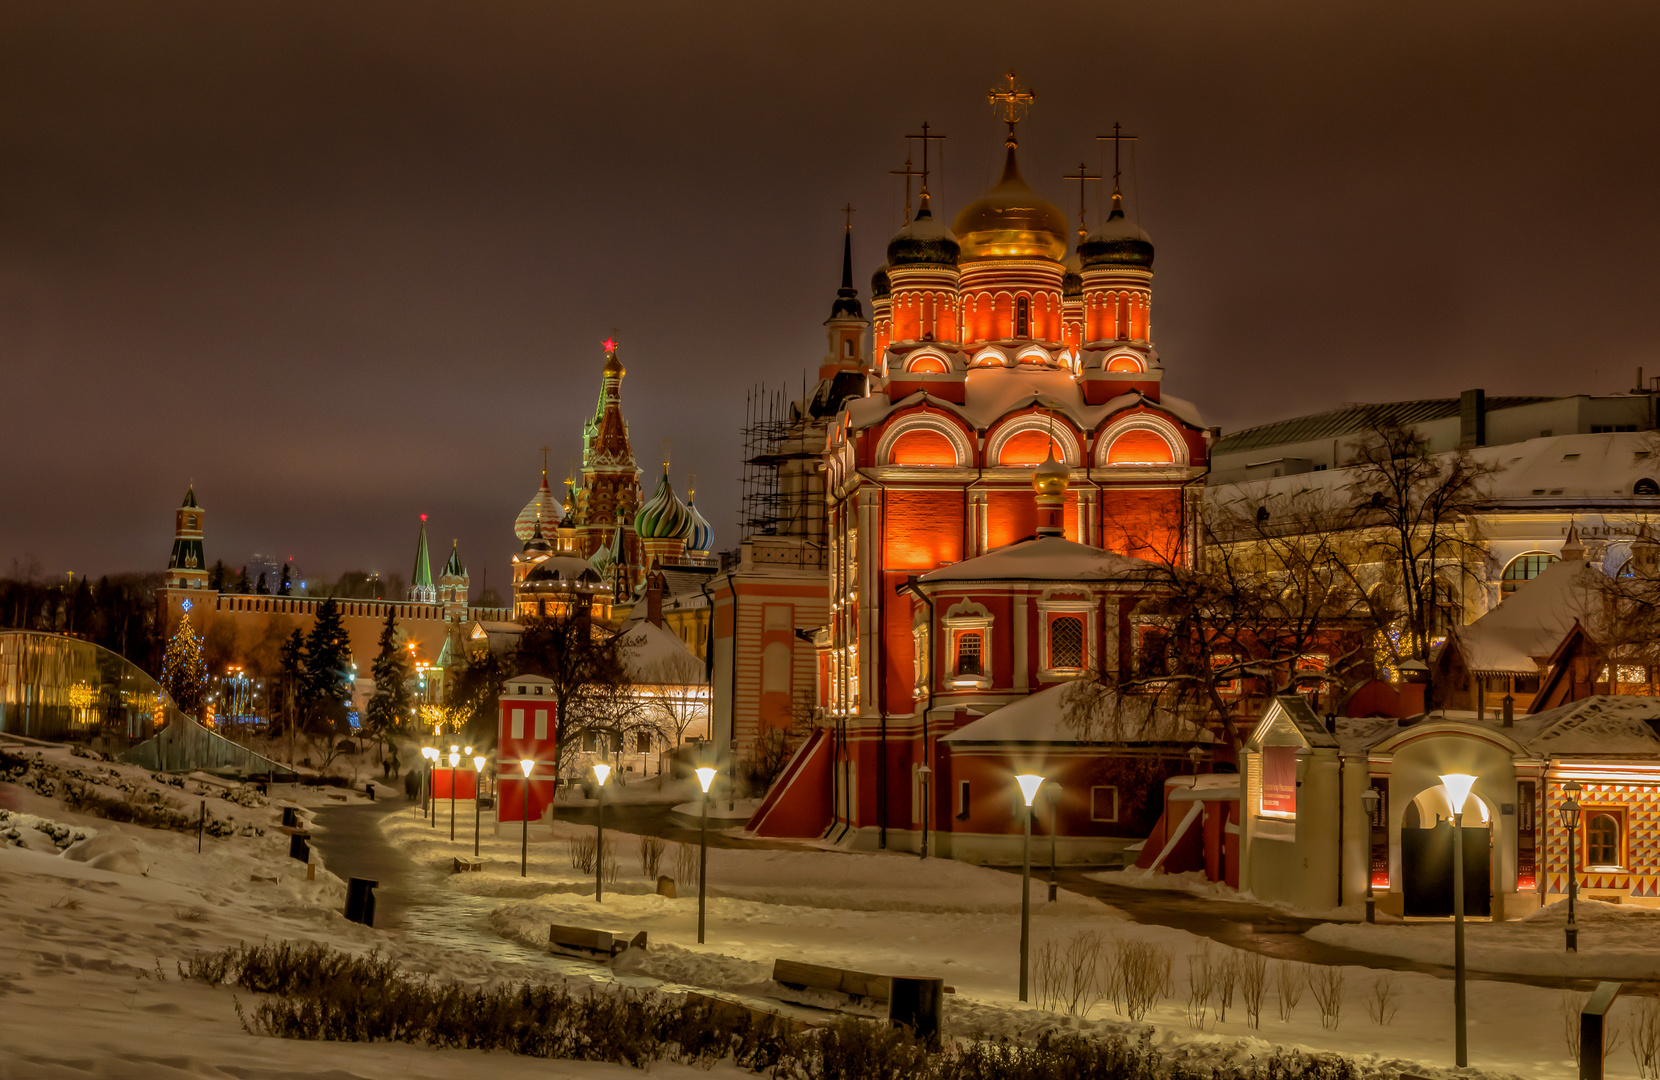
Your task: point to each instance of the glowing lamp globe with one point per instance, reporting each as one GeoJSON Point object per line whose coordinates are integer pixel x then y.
{"type": "Point", "coordinates": [455, 759]}
{"type": "Point", "coordinates": [705, 777]}
{"type": "Point", "coordinates": [478, 763]}
{"type": "Point", "coordinates": [528, 765]}
{"type": "Point", "coordinates": [1458, 787]}
{"type": "Point", "coordinates": [601, 772]}
{"type": "Point", "coordinates": [1029, 785]}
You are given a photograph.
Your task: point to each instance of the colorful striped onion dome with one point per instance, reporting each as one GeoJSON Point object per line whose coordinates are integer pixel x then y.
{"type": "Point", "coordinates": [664, 516]}
{"type": "Point", "coordinates": [701, 537]}
{"type": "Point", "coordinates": [544, 504]}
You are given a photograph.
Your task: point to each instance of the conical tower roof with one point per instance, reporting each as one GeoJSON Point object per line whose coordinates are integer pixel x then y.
{"type": "Point", "coordinates": [190, 499]}
{"type": "Point", "coordinates": [422, 574]}
{"type": "Point", "coordinates": [453, 567]}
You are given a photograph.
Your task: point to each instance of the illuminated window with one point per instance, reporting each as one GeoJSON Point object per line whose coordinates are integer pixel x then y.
{"type": "Point", "coordinates": [1124, 363]}
{"type": "Point", "coordinates": [1066, 642]}
{"type": "Point", "coordinates": [1022, 317]}
{"type": "Point", "coordinates": [922, 446]}
{"type": "Point", "coordinates": [1602, 841]}
{"type": "Point", "coordinates": [926, 365]}
{"type": "Point", "coordinates": [1028, 448]}
{"type": "Point", "coordinates": [1140, 447]}
{"type": "Point", "coordinates": [969, 645]}
{"type": "Point", "coordinates": [1279, 781]}
{"type": "Point", "coordinates": [1525, 568]}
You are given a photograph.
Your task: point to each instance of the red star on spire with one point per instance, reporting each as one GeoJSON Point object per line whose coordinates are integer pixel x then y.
{"type": "Point", "coordinates": [610, 346]}
{"type": "Point", "coordinates": [423, 517]}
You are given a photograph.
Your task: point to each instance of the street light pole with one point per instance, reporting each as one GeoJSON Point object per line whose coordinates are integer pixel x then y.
{"type": "Point", "coordinates": [1029, 785]}
{"type": "Point", "coordinates": [705, 777]}
{"type": "Point", "coordinates": [923, 773]}
{"type": "Point", "coordinates": [1458, 792]}
{"type": "Point", "coordinates": [601, 772]}
{"type": "Point", "coordinates": [455, 759]}
{"type": "Point", "coordinates": [527, 766]}
{"type": "Point", "coordinates": [1054, 828]}
{"type": "Point", "coordinates": [1570, 819]}
{"type": "Point", "coordinates": [478, 788]}
{"type": "Point", "coordinates": [1370, 798]}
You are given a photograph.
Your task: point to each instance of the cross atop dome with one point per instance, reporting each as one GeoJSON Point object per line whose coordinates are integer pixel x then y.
{"type": "Point", "coordinates": [1012, 102]}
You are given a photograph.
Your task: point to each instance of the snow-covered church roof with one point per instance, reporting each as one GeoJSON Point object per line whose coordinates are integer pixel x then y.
{"type": "Point", "coordinates": [1047, 558]}
{"type": "Point", "coordinates": [1528, 625]}
{"type": "Point", "coordinates": [1043, 718]}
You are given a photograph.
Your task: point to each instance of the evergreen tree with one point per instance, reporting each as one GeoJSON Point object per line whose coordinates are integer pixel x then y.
{"type": "Point", "coordinates": [216, 576]}
{"type": "Point", "coordinates": [328, 675]}
{"type": "Point", "coordinates": [389, 707]}
{"type": "Point", "coordinates": [291, 669]}
{"type": "Point", "coordinates": [260, 587]}
{"type": "Point", "coordinates": [184, 672]}
{"type": "Point", "coordinates": [242, 584]}
{"type": "Point", "coordinates": [285, 585]}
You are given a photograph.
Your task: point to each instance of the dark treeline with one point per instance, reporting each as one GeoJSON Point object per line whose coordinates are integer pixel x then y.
{"type": "Point", "coordinates": [117, 611]}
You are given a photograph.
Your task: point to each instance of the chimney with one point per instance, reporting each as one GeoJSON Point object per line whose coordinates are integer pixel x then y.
{"type": "Point", "coordinates": [1509, 711]}
{"type": "Point", "coordinates": [656, 584]}
{"type": "Point", "coordinates": [1472, 419]}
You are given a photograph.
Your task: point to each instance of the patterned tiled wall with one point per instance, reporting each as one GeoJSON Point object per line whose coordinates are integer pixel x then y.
{"type": "Point", "coordinates": [1642, 806]}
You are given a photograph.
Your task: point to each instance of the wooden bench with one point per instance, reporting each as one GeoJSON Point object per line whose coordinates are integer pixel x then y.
{"type": "Point", "coordinates": [588, 943]}
{"type": "Point", "coordinates": [736, 1012]}
{"type": "Point", "coordinates": [337, 798]}
{"type": "Point", "coordinates": [857, 985]}
{"type": "Point", "coordinates": [467, 864]}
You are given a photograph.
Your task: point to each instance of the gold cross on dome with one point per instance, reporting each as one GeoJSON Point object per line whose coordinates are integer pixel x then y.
{"type": "Point", "coordinates": [1011, 101]}
{"type": "Point", "coordinates": [1118, 140]}
{"type": "Point", "coordinates": [544, 463]}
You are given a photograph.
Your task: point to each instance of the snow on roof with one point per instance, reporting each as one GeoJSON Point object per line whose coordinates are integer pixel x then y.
{"type": "Point", "coordinates": [1528, 625]}
{"type": "Point", "coordinates": [652, 654]}
{"type": "Point", "coordinates": [1048, 558]}
{"type": "Point", "coordinates": [1041, 718]}
{"type": "Point", "coordinates": [992, 393]}
{"type": "Point", "coordinates": [1352, 419]}
{"type": "Point", "coordinates": [1599, 726]}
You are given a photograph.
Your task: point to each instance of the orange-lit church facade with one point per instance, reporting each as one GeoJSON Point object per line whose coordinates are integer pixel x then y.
{"type": "Point", "coordinates": [994, 347]}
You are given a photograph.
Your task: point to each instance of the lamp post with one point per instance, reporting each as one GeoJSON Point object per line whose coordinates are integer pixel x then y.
{"type": "Point", "coordinates": [1054, 791]}
{"type": "Point", "coordinates": [1369, 798]}
{"type": "Point", "coordinates": [923, 772]}
{"type": "Point", "coordinates": [455, 759]}
{"type": "Point", "coordinates": [1570, 821]}
{"type": "Point", "coordinates": [705, 777]}
{"type": "Point", "coordinates": [478, 786]}
{"type": "Point", "coordinates": [1029, 784]}
{"type": "Point", "coordinates": [527, 765]}
{"type": "Point", "coordinates": [601, 772]}
{"type": "Point", "coordinates": [431, 754]}
{"type": "Point", "coordinates": [1458, 787]}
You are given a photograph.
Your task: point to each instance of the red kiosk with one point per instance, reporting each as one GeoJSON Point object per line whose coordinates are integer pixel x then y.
{"type": "Point", "coordinates": [526, 733]}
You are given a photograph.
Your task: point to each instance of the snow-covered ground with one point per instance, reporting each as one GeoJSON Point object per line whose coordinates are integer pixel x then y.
{"type": "Point", "coordinates": [897, 914]}
{"type": "Point", "coordinates": [1616, 941]}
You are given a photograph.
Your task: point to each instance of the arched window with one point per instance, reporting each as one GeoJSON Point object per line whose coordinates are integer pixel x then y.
{"type": "Point", "coordinates": [1140, 447]}
{"type": "Point", "coordinates": [1646, 486]}
{"type": "Point", "coordinates": [1022, 317]}
{"type": "Point", "coordinates": [1028, 448]}
{"type": "Point", "coordinates": [1124, 363]}
{"type": "Point", "coordinates": [1066, 642]}
{"type": "Point", "coordinates": [922, 446]}
{"type": "Point", "coordinates": [926, 365]}
{"type": "Point", "coordinates": [1602, 841]}
{"type": "Point", "coordinates": [970, 644]}
{"type": "Point", "coordinates": [1525, 568]}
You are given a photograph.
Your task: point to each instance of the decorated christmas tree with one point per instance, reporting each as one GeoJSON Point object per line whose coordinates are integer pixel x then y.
{"type": "Point", "coordinates": [184, 672]}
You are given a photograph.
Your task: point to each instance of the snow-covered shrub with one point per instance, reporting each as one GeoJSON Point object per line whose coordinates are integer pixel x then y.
{"type": "Point", "coordinates": [1326, 984]}
{"type": "Point", "coordinates": [651, 855]}
{"type": "Point", "coordinates": [1068, 975]}
{"type": "Point", "coordinates": [13, 823]}
{"type": "Point", "coordinates": [1381, 1006]}
{"type": "Point", "coordinates": [685, 864]}
{"type": "Point", "coordinates": [1289, 980]}
{"type": "Point", "coordinates": [245, 795]}
{"type": "Point", "coordinates": [1253, 981]}
{"type": "Point", "coordinates": [581, 850]}
{"type": "Point", "coordinates": [1143, 974]}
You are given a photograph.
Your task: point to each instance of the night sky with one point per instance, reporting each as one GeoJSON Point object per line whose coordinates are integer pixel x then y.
{"type": "Point", "coordinates": [346, 263]}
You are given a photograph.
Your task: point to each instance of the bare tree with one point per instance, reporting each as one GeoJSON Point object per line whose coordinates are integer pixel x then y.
{"type": "Point", "coordinates": [675, 689]}
{"type": "Point", "coordinates": [591, 688]}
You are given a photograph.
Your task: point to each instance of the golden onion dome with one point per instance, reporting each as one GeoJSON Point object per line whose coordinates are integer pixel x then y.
{"type": "Point", "coordinates": [1052, 477]}
{"type": "Point", "coordinates": [1011, 221]}
{"type": "Point", "coordinates": [613, 366]}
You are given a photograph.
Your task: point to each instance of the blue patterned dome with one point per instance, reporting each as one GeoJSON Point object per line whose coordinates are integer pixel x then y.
{"type": "Point", "coordinates": [664, 516]}
{"type": "Point", "coordinates": [702, 535]}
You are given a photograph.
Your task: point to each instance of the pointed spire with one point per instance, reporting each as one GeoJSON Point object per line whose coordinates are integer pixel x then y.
{"type": "Point", "coordinates": [453, 567]}
{"type": "Point", "coordinates": [190, 498]}
{"type": "Point", "coordinates": [847, 297]}
{"type": "Point", "coordinates": [421, 577]}
{"type": "Point", "coordinates": [1572, 549]}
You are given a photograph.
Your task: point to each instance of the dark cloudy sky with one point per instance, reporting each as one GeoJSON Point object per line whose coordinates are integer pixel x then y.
{"type": "Point", "coordinates": [345, 263]}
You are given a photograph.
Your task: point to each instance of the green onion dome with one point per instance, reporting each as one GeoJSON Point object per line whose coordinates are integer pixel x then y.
{"type": "Point", "coordinates": [1117, 243]}
{"type": "Point", "coordinates": [664, 516]}
{"type": "Point", "coordinates": [924, 242]}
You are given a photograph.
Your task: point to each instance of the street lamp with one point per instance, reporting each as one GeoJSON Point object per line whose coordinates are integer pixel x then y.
{"type": "Point", "coordinates": [478, 782]}
{"type": "Point", "coordinates": [430, 753]}
{"type": "Point", "coordinates": [923, 772]}
{"type": "Point", "coordinates": [528, 766]}
{"type": "Point", "coordinates": [455, 759]}
{"type": "Point", "coordinates": [1370, 798]}
{"type": "Point", "coordinates": [705, 777]}
{"type": "Point", "coordinates": [601, 772]}
{"type": "Point", "coordinates": [1029, 785]}
{"type": "Point", "coordinates": [1570, 821]}
{"type": "Point", "coordinates": [1458, 787]}
{"type": "Point", "coordinates": [1054, 791]}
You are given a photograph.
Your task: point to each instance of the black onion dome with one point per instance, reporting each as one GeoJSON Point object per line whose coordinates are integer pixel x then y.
{"type": "Point", "coordinates": [1117, 243]}
{"type": "Point", "coordinates": [923, 242]}
{"type": "Point", "coordinates": [880, 285]}
{"type": "Point", "coordinates": [1072, 280]}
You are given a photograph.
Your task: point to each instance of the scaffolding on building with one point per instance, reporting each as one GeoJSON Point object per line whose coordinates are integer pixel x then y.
{"type": "Point", "coordinates": [773, 437]}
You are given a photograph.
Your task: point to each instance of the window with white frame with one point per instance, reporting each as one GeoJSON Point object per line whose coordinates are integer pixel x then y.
{"type": "Point", "coordinates": [1066, 642]}
{"type": "Point", "coordinates": [970, 652]}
